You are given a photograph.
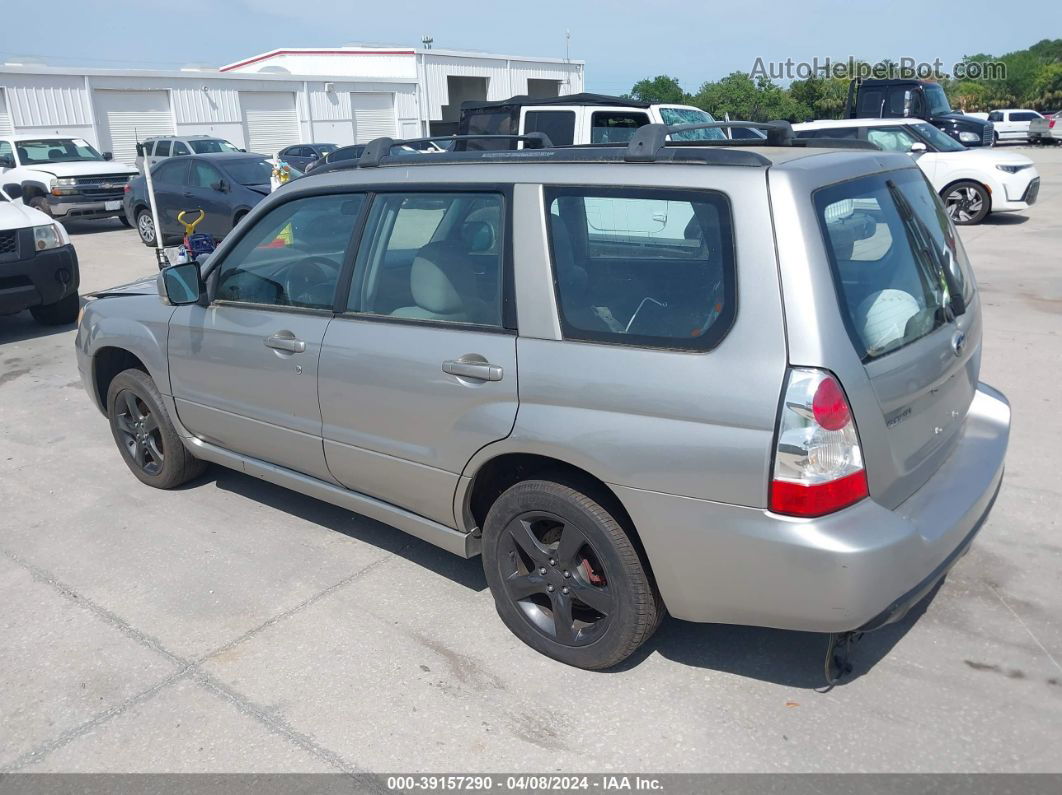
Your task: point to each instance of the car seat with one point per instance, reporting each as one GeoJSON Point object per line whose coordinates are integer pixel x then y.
{"type": "Point", "coordinates": [573, 282]}
{"type": "Point", "coordinates": [443, 283]}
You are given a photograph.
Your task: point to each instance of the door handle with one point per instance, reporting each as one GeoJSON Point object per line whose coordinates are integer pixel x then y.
{"type": "Point", "coordinates": [282, 342]}
{"type": "Point", "coordinates": [481, 371]}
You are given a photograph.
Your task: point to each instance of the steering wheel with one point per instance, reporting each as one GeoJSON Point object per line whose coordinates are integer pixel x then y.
{"type": "Point", "coordinates": [307, 274]}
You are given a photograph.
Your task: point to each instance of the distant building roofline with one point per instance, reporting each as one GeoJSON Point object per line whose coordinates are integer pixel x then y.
{"type": "Point", "coordinates": [369, 50]}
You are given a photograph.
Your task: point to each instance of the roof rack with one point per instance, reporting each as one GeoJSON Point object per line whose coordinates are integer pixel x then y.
{"type": "Point", "coordinates": [379, 148]}
{"type": "Point", "coordinates": [649, 139]}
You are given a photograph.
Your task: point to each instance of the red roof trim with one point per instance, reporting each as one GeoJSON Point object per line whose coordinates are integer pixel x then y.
{"type": "Point", "coordinates": [314, 52]}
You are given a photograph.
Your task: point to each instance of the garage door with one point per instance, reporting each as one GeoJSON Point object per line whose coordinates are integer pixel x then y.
{"type": "Point", "coordinates": [6, 127]}
{"type": "Point", "coordinates": [270, 119]}
{"type": "Point", "coordinates": [374, 116]}
{"type": "Point", "coordinates": [125, 117]}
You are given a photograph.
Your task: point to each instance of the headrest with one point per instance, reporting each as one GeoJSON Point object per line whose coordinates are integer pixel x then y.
{"type": "Point", "coordinates": [441, 277]}
{"type": "Point", "coordinates": [478, 236]}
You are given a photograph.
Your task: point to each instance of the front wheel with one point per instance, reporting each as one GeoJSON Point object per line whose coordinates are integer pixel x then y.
{"type": "Point", "coordinates": [144, 434]}
{"type": "Point", "coordinates": [145, 226]}
{"type": "Point", "coordinates": [566, 577]}
{"type": "Point", "coordinates": [62, 313]}
{"type": "Point", "coordinates": [967, 203]}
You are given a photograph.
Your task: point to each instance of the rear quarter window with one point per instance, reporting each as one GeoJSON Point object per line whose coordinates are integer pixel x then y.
{"type": "Point", "coordinates": [643, 267]}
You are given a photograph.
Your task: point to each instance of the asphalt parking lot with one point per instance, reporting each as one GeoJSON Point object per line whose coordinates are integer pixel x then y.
{"type": "Point", "coordinates": [234, 626]}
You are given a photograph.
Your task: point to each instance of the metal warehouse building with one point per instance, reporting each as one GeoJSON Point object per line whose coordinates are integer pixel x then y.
{"type": "Point", "coordinates": [270, 101]}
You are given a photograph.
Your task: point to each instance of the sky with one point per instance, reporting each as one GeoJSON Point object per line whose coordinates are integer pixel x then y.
{"type": "Point", "coordinates": [621, 41]}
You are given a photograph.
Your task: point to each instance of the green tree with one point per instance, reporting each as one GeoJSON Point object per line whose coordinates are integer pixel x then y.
{"type": "Point", "coordinates": [660, 90]}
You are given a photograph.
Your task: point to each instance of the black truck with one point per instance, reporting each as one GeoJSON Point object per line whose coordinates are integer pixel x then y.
{"type": "Point", "coordinates": [917, 99]}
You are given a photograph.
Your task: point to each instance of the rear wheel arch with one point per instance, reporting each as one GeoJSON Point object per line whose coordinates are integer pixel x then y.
{"type": "Point", "coordinates": [498, 474]}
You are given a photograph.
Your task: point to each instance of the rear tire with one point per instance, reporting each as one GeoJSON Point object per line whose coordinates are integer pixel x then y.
{"type": "Point", "coordinates": [145, 435]}
{"type": "Point", "coordinates": [967, 202]}
{"type": "Point", "coordinates": [62, 313]}
{"type": "Point", "coordinates": [145, 227]}
{"type": "Point", "coordinates": [566, 577]}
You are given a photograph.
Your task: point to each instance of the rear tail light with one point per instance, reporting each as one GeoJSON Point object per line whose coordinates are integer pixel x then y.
{"type": "Point", "coordinates": [818, 464]}
{"type": "Point", "coordinates": [127, 188]}
{"type": "Point", "coordinates": [1051, 124]}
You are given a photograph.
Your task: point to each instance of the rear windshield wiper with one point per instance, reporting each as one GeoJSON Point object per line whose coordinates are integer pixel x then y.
{"type": "Point", "coordinates": [922, 241]}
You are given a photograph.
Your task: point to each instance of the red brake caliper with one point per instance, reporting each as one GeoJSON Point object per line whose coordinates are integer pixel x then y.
{"type": "Point", "coordinates": [591, 576]}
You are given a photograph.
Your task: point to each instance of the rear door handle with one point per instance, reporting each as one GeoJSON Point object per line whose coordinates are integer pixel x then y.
{"type": "Point", "coordinates": [481, 371]}
{"type": "Point", "coordinates": [282, 342]}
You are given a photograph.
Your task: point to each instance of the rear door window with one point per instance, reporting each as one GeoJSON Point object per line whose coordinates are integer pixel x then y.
{"type": "Point", "coordinates": [896, 259]}
{"type": "Point", "coordinates": [162, 149]}
{"type": "Point", "coordinates": [644, 267]}
{"type": "Point", "coordinates": [559, 125]}
{"type": "Point", "coordinates": [609, 127]}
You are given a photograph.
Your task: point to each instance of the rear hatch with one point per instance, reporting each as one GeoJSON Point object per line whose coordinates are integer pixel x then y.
{"type": "Point", "coordinates": [910, 307]}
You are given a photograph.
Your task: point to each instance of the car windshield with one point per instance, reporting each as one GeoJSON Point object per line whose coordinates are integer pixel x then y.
{"type": "Point", "coordinates": [55, 150]}
{"type": "Point", "coordinates": [941, 141]}
{"type": "Point", "coordinates": [673, 116]}
{"type": "Point", "coordinates": [937, 100]}
{"type": "Point", "coordinates": [252, 172]}
{"type": "Point", "coordinates": [212, 145]}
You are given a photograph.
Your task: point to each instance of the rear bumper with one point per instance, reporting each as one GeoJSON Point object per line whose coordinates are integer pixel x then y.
{"type": "Point", "coordinates": [860, 568]}
{"type": "Point", "coordinates": [42, 278]}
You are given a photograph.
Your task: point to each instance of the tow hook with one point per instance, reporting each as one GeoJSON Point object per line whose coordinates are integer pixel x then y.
{"type": "Point", "coordinates": [838, 656]}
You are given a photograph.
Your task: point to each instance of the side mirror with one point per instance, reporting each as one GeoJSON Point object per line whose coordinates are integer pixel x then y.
{"type": "Point", "coordinates": [314, 156]}
{"type": "Point", "coordinates": [182, 284]}
{"type": "Point", "coordinates": [13, 190]}
{"type": "Point", "coordinates": [108, 156]}
{"type": "Point", "coordinates": [242, 150]}
{"type": "Point", "coordinates": [7, 161]}
{"type": "Point", "coordinates": [917, 148]}
{"type": "Point", "coordinates": [221, 186]}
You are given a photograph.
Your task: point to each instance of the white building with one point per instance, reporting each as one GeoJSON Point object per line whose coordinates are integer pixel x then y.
{"type": "Point", "coordinates": [342, 96]}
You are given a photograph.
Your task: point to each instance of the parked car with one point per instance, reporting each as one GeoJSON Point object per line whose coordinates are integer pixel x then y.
{"type": "Point", "coordinates": [575, 119]}
{"type": "Point", "coordinates": [1012, 124]}
{"type": "Point", "coordinates": [971, 182]}
{"type": "Point", "coordinates": [157, 149]}
{"type": "Point", "coordinates": [64, 177]}
{"type": "Point", "coordinates": [1047, 129]}
{"type": "Point", "coordinates": [38, 264]}
{"type": "Point", "coordinates": [916, 99]}
{"type": "Point", "coordinates": [302, 156]}
{"type": "Point", "coordinates": [342, 153]}
{"type": "Point", "coordinates": [224, 186]}
{"type": "Point", "coordinates": [769, 415]}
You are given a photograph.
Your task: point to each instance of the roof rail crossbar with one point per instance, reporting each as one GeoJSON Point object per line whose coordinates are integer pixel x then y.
{"type": "Point", "coordinates": [379, 148]}
{"type": "Point", "coordinates": [651, 138]}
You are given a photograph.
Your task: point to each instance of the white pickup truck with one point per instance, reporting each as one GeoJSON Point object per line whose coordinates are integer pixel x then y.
{"type": "Point", "coordinates": [64, 177]}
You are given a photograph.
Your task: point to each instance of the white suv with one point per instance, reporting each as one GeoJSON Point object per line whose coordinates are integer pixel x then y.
{"type": "Point", "coordinates": [972, 182]}
{"type": "Point", "coordinates": [1012, 124]}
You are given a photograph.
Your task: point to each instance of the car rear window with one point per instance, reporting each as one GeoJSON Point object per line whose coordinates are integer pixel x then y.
{"type": "Point", "coordinates": [641, 266]}
{"type": "Point", "coordinates": [896, 259]}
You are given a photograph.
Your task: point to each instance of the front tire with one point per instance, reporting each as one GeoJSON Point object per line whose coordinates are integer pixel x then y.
{"type": "Point", "coordinates": [144, 434]}
{"type": "Point", "coordinates": [40, 203]}
{"type": "Point", "coordinates": [566, 577]}
{"type": "Point", "coordinates": [967, 202]}
{"type": "Point", "coordinates": [62, 313]}
{"type": "Point", "coordinates": [145, 227]}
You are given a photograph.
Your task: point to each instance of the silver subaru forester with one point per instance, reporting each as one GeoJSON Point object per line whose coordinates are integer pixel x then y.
{"type": "Point", "coordinates": [736, 384]}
